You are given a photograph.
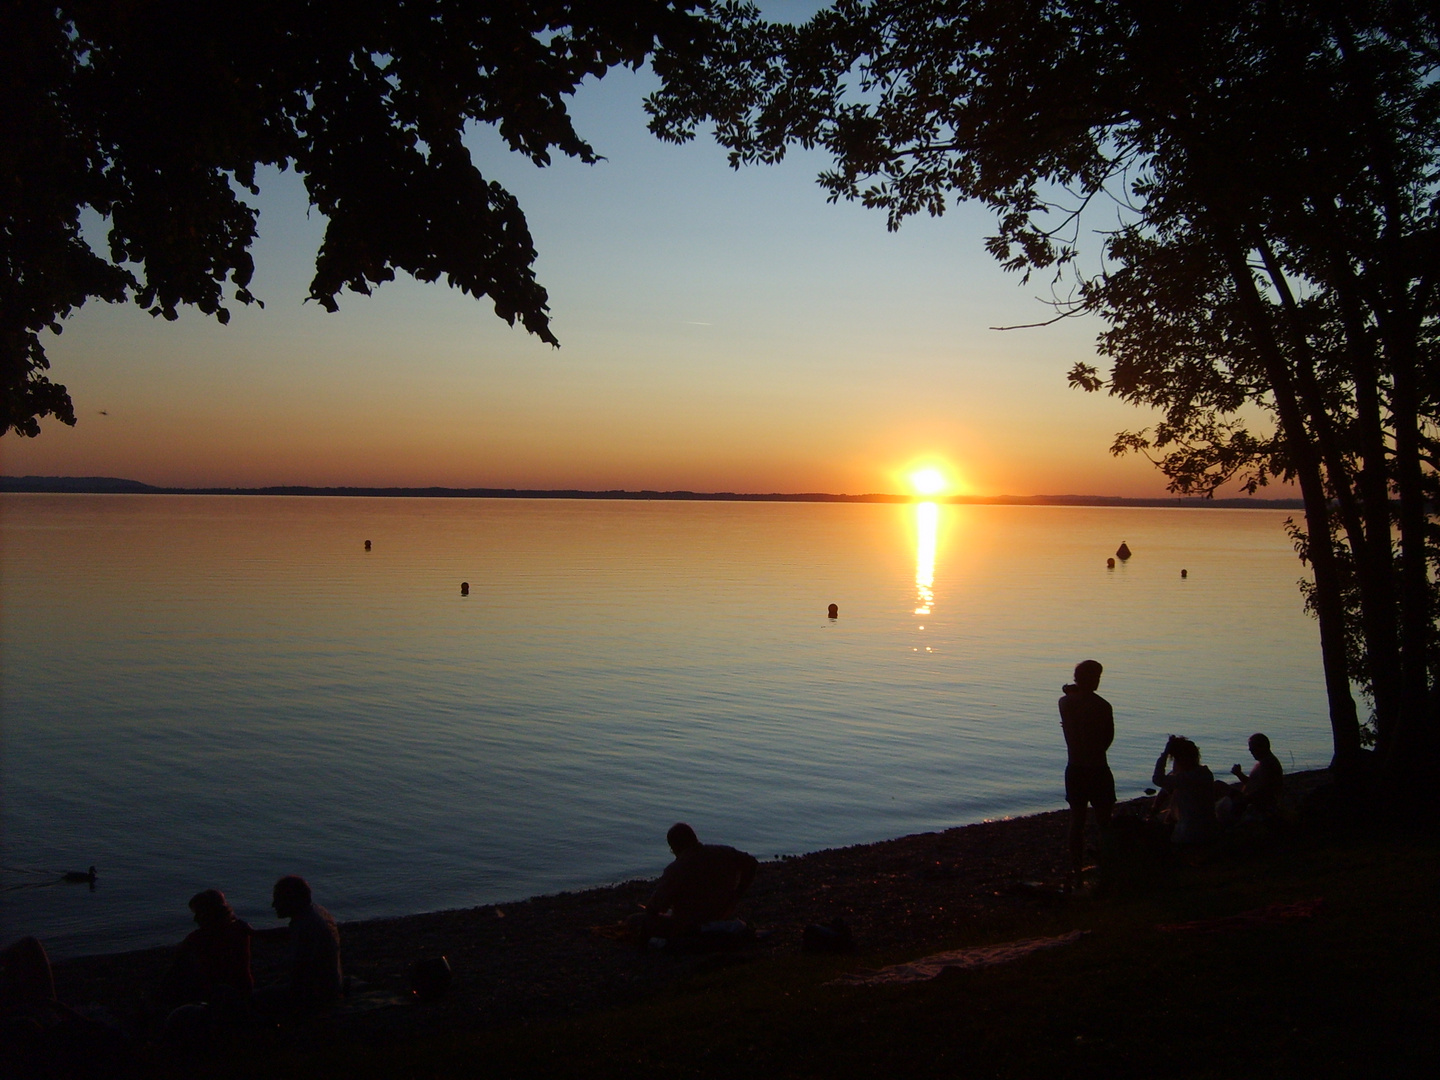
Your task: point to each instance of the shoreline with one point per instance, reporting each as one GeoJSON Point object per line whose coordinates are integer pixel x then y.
{"type": "Point", "coordinates": [540, 958]}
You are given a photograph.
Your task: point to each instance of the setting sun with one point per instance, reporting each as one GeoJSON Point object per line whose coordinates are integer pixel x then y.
{"type": "Point", "coordinates": [928, 481]}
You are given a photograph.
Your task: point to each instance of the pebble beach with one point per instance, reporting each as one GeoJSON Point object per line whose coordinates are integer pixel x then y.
{"type": "Point", "coordinates": [550, 957]}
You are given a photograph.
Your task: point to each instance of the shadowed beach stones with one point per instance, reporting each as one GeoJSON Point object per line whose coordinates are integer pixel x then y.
{"type": "Point", "coordinates": [430, 978]}
{"type": "Point", "coordinates": [832, 937]}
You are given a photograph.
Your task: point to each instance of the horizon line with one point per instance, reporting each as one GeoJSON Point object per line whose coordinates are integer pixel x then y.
{"type": "Point", "coordinates": [106, 485]}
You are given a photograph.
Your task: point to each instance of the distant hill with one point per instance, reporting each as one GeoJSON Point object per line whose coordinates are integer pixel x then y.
{"type": "Point", "coordinates": [110, 485]}
{"type": "Point", "coordinates": [81, 485]}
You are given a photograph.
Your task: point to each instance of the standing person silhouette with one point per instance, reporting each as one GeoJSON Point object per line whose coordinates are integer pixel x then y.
{"type": "Point", "coordinates": [1089, 726]}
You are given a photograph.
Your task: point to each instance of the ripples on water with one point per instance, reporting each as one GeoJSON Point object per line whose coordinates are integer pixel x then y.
{"type": "Point", "coordinates": [205, 691]}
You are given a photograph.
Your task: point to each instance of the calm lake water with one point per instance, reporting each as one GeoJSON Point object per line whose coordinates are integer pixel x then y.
{"type": "Point", "coordinates": [207, 691]}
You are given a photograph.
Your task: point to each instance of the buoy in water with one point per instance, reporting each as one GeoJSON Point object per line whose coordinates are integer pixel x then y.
{"type": "Point", "coordinates": [834, 611]}
{"type": "Point", "coordinates": [79, 876]}
{"type": "Point", "coordinates": [1123, 551]}
{"type": "Point", "coordinates": [1184, 573]}
{"type": "Point", "coordinates": [464, 588]}
{"type": "Point", "coordinates": [1110, 563]}
{"type": "Point", "coordinates": [367, 545]}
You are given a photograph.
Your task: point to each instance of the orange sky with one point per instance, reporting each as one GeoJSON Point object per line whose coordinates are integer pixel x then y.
{"type": "Point", "coordinates": [720, 331]}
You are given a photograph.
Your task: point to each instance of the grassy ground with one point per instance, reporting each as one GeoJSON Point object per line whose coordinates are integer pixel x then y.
{"type": "Point", "coordinates": [1351, 992]}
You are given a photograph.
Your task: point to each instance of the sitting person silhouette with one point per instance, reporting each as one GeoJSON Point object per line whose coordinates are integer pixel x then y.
{"type": "Point", "coordinates": [1190, 788]}
{"type": "Point", "coordinates": [213, 962]}
{"type": "Point", "coordinates": [1257, 796]}
{"type": "Point", "coordinates": [315, 974]}
{"type": "Point", "coordinates": [26, 983]}
{"type": "Point", "coordinates": [702, 885]}
{"type": "Point", "coordinates": [41, 1036]}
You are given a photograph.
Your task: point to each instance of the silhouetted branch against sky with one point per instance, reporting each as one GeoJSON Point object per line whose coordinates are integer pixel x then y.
{"type": "Point", "coordinates": [152, 113]}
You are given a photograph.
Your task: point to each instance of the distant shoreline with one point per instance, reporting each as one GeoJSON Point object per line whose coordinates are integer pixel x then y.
{"type": "Point", "coordinates": [107, 485]}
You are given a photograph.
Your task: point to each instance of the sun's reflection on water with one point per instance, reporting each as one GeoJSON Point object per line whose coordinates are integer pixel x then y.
{"type": "Point", "coordinates": [927, 519]}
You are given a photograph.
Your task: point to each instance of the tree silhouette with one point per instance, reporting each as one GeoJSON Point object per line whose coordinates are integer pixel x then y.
{"type": "Point", "coordinates": [1262, 185]}
{"type": "Point", "coordinates": [156, 113]}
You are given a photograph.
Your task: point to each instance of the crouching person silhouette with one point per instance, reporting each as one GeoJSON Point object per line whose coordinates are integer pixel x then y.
{"type": "Point", "coordinates": [702, 885]}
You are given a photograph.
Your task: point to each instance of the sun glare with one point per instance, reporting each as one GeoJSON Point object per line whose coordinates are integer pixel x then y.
{"type": "Point", "coordinates": [928, 481]}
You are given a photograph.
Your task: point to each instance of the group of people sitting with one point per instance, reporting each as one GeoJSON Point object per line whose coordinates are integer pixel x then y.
{"type": "Point", "coordinates": [212, 964]}
{"type": "Point", "coordinates": [210, 983]}
{"type": "Point", "coordinates": [1199, 806]}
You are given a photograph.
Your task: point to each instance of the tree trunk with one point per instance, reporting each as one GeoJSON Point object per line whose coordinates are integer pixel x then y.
{"type": "Point", "coordinates": [1374, 552]}
{"type": "Point", "coordinates": [1345, 764]}
{"type": "Point", "coordinates": [1410, 751]}
{"type": "Point", "coordinates": [1330, 613]}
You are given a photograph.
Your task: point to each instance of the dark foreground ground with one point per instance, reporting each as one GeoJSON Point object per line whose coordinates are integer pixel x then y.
{"type": "Point", "coordinates": [1350, 990]}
